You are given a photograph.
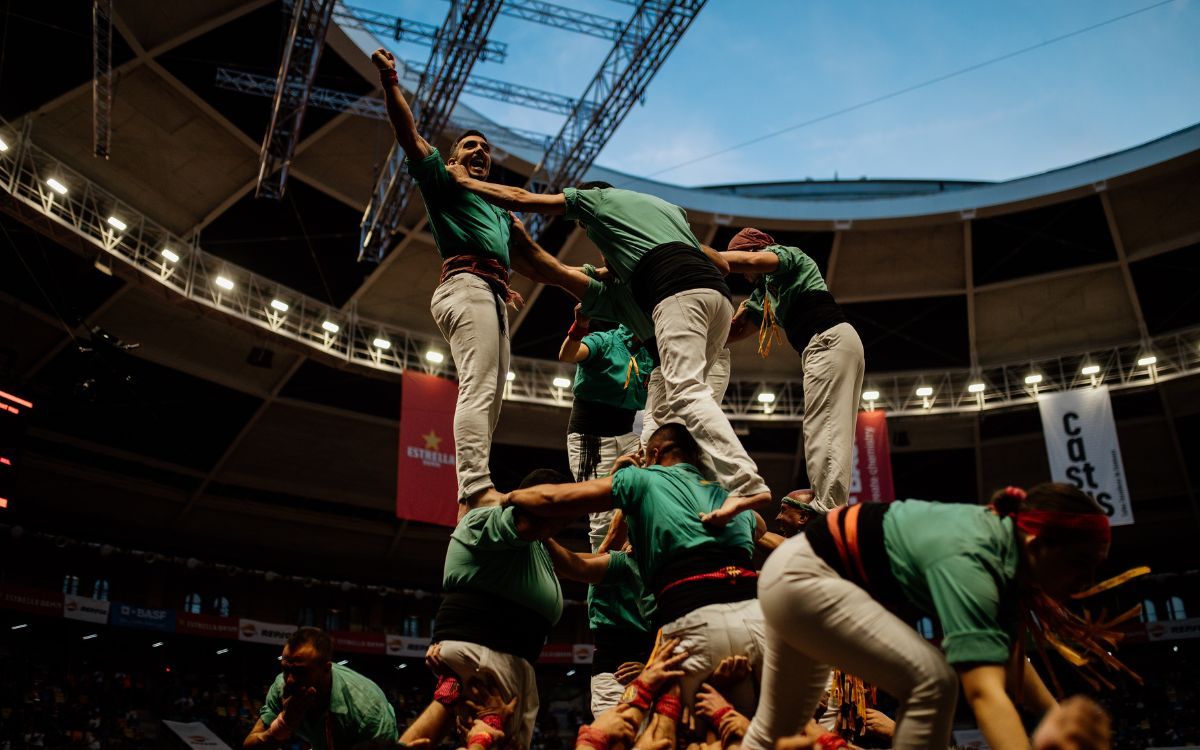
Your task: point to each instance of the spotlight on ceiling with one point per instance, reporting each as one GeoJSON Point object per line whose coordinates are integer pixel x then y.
{"type": "Point", "coordinates": [435, 357]}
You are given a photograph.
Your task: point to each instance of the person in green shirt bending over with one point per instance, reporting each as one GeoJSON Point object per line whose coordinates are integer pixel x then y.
{"type": "Point", "coordinates": [501, 600]}
{"type": "Point", "coordinates": [474, 239]}
{"type": "Point", "coordinates": [656, 262]}
{"type": "Point", "coordinates": [325, 705]}
{"type": "Point", "coordinates": [790, 293]}
{"type": "Point", "coordinates": [701, 576]}
{"type": "Point", "coordinates": [828, 597]}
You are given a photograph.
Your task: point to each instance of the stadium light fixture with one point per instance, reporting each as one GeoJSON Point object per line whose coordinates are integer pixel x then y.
{"type": "Point", "coordinates": [90, 636]}
{"type": "Point", "coordinates": [870, 395]}
{"type": "Point", "coordinates": [561, 382]}
{"type": "Point", "coordinates": [156, 644]}
{"type": "Point", "coordinates": [1090, 370]}
{"type": "Point", "coordinates": [435, 357]}
{"type": "Point", "coordinates": [344, 662]}
{"type": "Point", "coordinates": [1148, 360]}
{"type": "Point", "coordinates": [3, 146]}
{"type": "Point", "coordinates": [18, 627]}
{"type": "Point", "coordinates": [925, 391]}
{"type": "Point", "coordinates": [331, 327]}
{"type": "Point", "coordinates": [1033, 379]}
{"type": "Point", "coordinates": [117, 224]}
{"type": "Point", "coordinates": [225, 283]}
{"type": "Point", "coordinates": [976, 388]}
{"type": "Point", "coordinates": [766, 397]}
{"type": "Point", "coordinates": [222, 651]}
{"type": "Point", "coordinates": [57, 186]}
{"type": "Point", "coordinates": [511, 376]}
{"type": "Point", "coordinates": [280, 305]}
{"type": "Point", "coordinates": [170, 255]}
{"type": "Point", "coordinates": [382, 344]}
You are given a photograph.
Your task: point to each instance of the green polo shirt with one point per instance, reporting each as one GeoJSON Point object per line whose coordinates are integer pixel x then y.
{"type": "Point", "coordinates": [625, 225]}
{"type": "Point", "coordinates": [662, 507]}
{"type": "Point", "coordinates": [487, 556]}
{"type": "Point", "coordinates": [613, 301]}
{"type": "Point", "coordinates": [461, 222]}
{"type": "Point", "coordinates": [620, 600]}
{"type": "Point", "coordinates": [797, 273]}
{"type": "Point", "coordinates": [958, 562]}
{"type": "Point", "coordinates": [358, 712]}
{"type": "Point", "coordinates": [605, 377]}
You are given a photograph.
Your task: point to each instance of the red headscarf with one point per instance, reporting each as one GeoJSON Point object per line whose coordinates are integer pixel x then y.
{"type": "Point", "coordinates": [1091, 526]}
{"type": "Point", "coordinates": [750, 239]}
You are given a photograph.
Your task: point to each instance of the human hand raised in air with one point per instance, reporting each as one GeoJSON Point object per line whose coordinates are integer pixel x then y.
{"type": "Point", "coordinates": [383, 59]}
{"type": "Point", "coordinates": [733, 505]}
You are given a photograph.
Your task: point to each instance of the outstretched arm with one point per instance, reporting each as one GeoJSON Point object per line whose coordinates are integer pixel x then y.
{"type": "Point", "coordinates": [532, 260]}
{"type": "Point", "coordinates": [505, 196]}
{"type": "Point", "coordinates": [983, 686]}
{"type": "Point", "coordinates": [585, 568]}
{"type": "Point", "coordinates": [415, 147]}
{"type": "Point", "coordinates": [563, 500]}
{"type": "Point", "coordinates": [741, 326]}
{"type": "Point", "coordinates": [741, 261]}
{"type": "Point", "coordinates": [717, 259]}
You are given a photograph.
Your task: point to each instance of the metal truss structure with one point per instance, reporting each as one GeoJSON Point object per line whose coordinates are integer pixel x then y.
{"type": "Point", "coordinates": [301, 56]}
{"type": "Point", "coordinates": [102, 77]}
{"type": "Point", "coordinates": [511, 93]}
{"type": "Point", "coordinates": [460, 43]}
{"type": "Point", "coordinates": [42, 191]}
{"type": "Point", "coordinates": [372, 106]}
{"type": "Point", "coordinates": [644, 44]}
{"type": "Point", "coordinates": [404, 30]}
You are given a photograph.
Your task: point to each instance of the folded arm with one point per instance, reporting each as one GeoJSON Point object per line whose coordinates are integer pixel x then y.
{"type": "Point", "coordinates": [741, 261]}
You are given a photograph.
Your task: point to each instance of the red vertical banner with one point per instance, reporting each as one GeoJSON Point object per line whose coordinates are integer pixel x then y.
{"type": "Point", "coordinates": [872, 479]}
{"type": "Point", "coordinates": [427, 489]}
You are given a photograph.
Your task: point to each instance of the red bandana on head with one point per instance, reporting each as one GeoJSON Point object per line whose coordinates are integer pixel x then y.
{"type": "Point", "coordinates": [750, 239]}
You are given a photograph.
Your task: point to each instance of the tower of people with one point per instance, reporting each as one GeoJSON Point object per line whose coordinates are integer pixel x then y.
{"type": "Point", "coordinates": [697, 640]}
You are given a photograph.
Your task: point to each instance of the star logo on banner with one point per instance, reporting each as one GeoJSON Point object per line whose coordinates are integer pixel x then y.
{"type": "Point", "coordinates": [432, 441]}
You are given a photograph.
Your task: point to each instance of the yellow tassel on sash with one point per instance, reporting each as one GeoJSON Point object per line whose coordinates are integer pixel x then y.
{"type": "Point", "coordinates": [632, 370]}
{"type": "Point", "coordinates": [768, 331]}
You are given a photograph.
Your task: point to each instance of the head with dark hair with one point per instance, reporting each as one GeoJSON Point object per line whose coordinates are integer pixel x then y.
{"type": "Point", "coordinates": [672, 444]}
{"type": "Point", "coordinates": [1063, 533]}
{"type": "Point", "coordinates": [593, 185]}
{"type": "Point", "coordinates": [307, 664]}
{"type": "Point", "coordinates": [472, 150]}
{"type": "Point", "coordinates": [544, 476]}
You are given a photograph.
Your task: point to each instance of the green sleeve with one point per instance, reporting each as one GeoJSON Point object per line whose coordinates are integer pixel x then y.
{"type": "Point", "coordinates": [583, 206]}
{"type": "Point", "coordinates": [273, 705]}
{"type": "Point", "coordinates": [599, 301]}
{"type": "Point", "coordinates": [383, 722]}
{"type": "Point", "coordinates": [627, 487]}
{"type": "Point", "coordinates": [791, 259]}
{"type": "Point", "coordinates": [621, 570]}
{"type": "Point", "coordinates": [597, 344]}
{"type": "Point", "coordinates": [967, 602]}
{"type": "Point", "coordinates": [499, 529]}
{"type": "Point", "coordinates": [754, 307]}
{"type": "Point", "coordinates": [430, 173]}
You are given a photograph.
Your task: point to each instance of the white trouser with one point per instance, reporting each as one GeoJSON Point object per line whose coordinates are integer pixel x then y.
{"type": "Point", "coordinates": [611, 448]}
{"type": "Point", "coordinates": [475, 324]}
{"type": "Point", "coordinates": [606, 692]}
{"type": "Point", "coordinates": [512, 675]}
{"type": "Point", "coordinates": [815, 619]}
{"type": "Point", "coordinates": [691, 328]}
{"type": "Point", "coordinates": [712, 633]}
{"type": "Point", "coordinates": [833, 375]}
{"type": "Point", "coordinates": [657, 412]}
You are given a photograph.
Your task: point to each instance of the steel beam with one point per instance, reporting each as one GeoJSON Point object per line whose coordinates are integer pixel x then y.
{"type": "Point", "coordinates": [102, 77]}
{"type": "Point", "coordinates": [301, 56]}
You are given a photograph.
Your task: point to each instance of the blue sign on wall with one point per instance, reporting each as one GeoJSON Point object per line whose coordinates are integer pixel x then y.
{"type": "Point", "coordinates": [146, 618]}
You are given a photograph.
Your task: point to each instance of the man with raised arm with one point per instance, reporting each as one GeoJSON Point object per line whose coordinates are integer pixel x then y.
{"type": "Point", "coordinates": [474, 239]}
{"type": "Point", "coordinates": [702, 577]}
{"type": "Point", "coordinates": [653, 256]}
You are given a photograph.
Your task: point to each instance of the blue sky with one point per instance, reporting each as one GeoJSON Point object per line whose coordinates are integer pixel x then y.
{"type": "Point", "coordinates": [749, 67]}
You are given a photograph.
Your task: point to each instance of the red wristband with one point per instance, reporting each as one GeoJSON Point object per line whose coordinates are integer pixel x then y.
{"type": "Point", "coordinates": [591, 737]}
{"type": "Point", "coordinates": [831, 741]}
{"type": "Point", "coordinates": [389, 77]}
{"type": "Point", "coordinates": [577, 331]}
{"type": "Point", "coordinates": [720, 714]}
{"type": "Point", "coordinates": [447, 691]}
{"type": "Point", "coordinates": [494, 721]}
{"type": "Point", "coordinates": [482, 739]}
{"type": "Point", "coordinates": [638, 695]}
{"type": "Point", "coordinates": [669, 706]}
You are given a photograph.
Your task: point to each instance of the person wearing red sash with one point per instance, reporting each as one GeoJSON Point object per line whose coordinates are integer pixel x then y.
{"type": "Point", "coordinates": [826, 597]}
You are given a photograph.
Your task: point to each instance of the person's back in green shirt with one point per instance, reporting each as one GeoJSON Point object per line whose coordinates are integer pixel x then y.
{"type": "Point", "coordinates": [616, 370]}
{"type": "Point", "coordinates": [796, 276]}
